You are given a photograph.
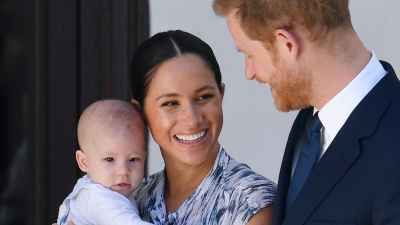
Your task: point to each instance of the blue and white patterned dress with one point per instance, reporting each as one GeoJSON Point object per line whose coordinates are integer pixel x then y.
{"type": "Point", "coordinates": [230, 195]}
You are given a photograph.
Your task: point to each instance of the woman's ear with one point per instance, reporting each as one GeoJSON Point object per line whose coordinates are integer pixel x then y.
{"type": "Point", "coordinates": [81, 160]}
{"type": "Point", "coordinates": [222, 90]}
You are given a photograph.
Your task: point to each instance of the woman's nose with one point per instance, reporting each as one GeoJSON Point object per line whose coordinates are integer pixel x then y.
{"type": "Point", "coordinates": [192, 115]}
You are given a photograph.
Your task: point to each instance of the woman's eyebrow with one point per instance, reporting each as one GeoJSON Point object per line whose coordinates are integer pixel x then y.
{"type": "Point", "coordinates": [169, 95]}
{"type": "Point", "coordinates": [206, 87]}
{"type": "Point", "coordinates": [166, 96]}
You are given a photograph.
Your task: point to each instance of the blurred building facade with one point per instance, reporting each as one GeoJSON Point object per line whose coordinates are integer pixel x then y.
{"type": "Point", "coordinates": [56, 57]}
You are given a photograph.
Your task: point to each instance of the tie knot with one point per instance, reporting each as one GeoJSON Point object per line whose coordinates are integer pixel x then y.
{"type": "Point", "coordinates": [315, 125]}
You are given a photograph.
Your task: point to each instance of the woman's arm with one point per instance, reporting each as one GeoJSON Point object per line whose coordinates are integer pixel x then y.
{"type": "Point", "coordinates": [263, 217]}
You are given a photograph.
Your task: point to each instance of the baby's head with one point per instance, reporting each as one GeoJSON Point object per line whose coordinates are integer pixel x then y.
{"type": "Point", "coordinates": [111, 136]}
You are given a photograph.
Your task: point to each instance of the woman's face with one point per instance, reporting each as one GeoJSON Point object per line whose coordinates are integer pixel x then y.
{"type": "Point", "coordinates": [183, 107]}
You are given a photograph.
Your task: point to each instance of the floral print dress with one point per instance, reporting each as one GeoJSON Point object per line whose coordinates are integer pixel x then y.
{"type": "Point", "coordinates": [229, 195]}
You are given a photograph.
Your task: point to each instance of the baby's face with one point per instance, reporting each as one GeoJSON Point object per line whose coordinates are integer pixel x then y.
{"type": "Point", "coordinates": [117, 162]}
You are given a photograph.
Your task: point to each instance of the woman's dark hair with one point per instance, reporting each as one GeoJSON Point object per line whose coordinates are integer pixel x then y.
{"type": "Point", "coordinates": [162, 47]}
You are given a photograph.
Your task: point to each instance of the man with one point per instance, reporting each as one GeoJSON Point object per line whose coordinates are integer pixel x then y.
{"type": "Point", "coordinates": [342, 159]}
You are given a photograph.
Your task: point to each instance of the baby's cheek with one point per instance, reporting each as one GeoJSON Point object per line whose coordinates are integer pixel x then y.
{"type": "Point", "coordinates": [137, 177]}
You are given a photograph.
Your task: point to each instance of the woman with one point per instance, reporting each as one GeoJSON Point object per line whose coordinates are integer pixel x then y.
{"type": "Point", "coordinates": [177, 81]}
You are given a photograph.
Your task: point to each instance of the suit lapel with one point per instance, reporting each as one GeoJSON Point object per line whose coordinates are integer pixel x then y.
{"type": "Point", "coordinates": [333, 166]}
{"type": "Point", "coordinates": [285, 171]}
{"type": "Point", "coordinates": [342, 153]}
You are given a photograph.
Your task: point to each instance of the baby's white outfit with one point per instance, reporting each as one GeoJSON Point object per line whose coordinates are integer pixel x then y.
{"type": "Point", "coordinates": [93, 204]}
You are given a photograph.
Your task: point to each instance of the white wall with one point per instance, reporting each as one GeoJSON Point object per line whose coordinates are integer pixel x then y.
{"type": "Point", "coordinates": [254, 132]}
{"type": "Point", "coordinates": [377, 23]}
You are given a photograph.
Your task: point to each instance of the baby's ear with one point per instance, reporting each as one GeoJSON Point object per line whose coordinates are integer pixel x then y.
{"type": "Point", "coordinates": [135, 102]}
{"type": "Point", "coordinates": [81, 160]}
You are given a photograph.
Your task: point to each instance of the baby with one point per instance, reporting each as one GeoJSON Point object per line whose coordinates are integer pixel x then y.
{"type": "Point", "coordinates": [111, 136]}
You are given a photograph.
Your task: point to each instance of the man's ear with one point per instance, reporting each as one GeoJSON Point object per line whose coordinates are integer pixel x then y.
{"type": "Point", "coordinates": [288, 43]}
{"type": "Point", "coordinates": [81, 160]}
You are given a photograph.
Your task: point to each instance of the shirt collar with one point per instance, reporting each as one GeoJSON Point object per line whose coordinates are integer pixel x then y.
{"type": "Point", "coordinates": [335, 113]}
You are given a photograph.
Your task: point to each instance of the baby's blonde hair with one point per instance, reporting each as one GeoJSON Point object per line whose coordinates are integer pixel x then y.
{"type": "Point", "coordinates": [115, 117]}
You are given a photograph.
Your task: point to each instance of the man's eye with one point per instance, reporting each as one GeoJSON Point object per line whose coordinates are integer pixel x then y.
{"type": "Point", "coordinates": [169, 104]}
{"type": "Point", "coordinates": [109, 159]}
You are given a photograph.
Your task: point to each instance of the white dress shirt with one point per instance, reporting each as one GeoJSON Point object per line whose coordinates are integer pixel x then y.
{"type": "Point", "coordinates": [335, 113]}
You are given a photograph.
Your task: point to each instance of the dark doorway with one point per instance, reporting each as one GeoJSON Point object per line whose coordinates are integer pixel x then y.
{"type": "Point", "coordinates": [56, 57]}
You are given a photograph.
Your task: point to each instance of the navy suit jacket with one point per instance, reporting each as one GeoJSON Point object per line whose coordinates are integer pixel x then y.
{"type": "Point", "coordinates": [357, 181]}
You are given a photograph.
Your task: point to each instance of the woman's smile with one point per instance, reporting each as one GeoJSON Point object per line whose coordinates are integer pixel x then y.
{"type": "Point", "coordinates": [183, 107]}
{"type": "Point", "coordinates": [191, 138]}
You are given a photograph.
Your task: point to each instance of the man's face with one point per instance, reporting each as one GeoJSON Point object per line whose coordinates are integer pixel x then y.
{"type": "Point", "coordinates": [290, 84]}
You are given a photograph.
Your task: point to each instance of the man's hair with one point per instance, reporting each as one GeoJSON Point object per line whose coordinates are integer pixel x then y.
{"type": "Point", "coordinates": [259, 18]}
